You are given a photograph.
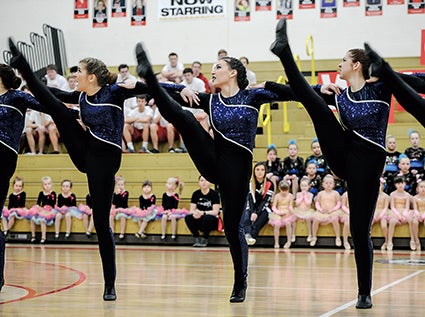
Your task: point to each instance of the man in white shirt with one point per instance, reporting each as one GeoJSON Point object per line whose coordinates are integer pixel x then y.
{"type": "Point", "coordinates": [54, 79]}
{"type": "Point", "coordinates": [191, 81]}
{"type": "Point", "coordinates": [173, 71]}
{"type": "Point", "coordinates": [124, 74]}
{"type": "Point", "coordinates": [136, 125]}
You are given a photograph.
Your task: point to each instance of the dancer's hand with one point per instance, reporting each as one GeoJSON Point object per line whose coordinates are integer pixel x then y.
{"type": "Point", "coordinates": [330, 89]}
{"type": "Point", "coordinates": [128, 84]}
{"type": "Point", "coordinates": [372, 80]}
{"type": "Point", "coordinates": [189, 96]}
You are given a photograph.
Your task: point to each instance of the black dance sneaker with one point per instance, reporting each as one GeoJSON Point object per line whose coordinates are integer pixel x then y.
{"type": "Point", "coordinates": [281, 38]}
{"type": "Point", "coordinates": [364, 302]}
{"type": "Point", "coordinates": [109, 293]}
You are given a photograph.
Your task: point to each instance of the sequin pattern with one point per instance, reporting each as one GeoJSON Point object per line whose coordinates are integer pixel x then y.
{"type": "Point", "coordinates": [102, 115]}
{"type": "Point", "coordinates": [365, 112]}
{"type": "Point", "coordinates": [13, 105]}
{"type": "Point", "coordinates": [236, 117]}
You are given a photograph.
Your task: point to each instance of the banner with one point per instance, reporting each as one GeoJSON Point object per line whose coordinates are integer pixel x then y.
{"type": "Point", "coordinates": [328, 9]}
{"type": "Point", "coordinates": [100, 18]}
{"type": "Point", "coordinates": [81, 9]}
{"type": "Point", "coordinates": [351, 3]}
{"type": "Point", "coordinates": [187, 9]}
{"type": "Point", "coordinates": [138, 13]}
{"type": "Point", "coordinates": [395, 2]}
{"type": "Point", "coordinates": [242, 10]}
{"type": "Point", "coordinates": [284, 9]}
{"type": "Point", "coordinates": [263, 5]}
{"type": "Point", "coordinates": [119, 8]}
{"type": "Point", "coordinates": [307, 4]}
{"type": "Point", "coordinates": [373, 7]}
{"type": "Point", "coordinates": [415, 6]}
{"type": "Point", "coordinates": [423, 48]}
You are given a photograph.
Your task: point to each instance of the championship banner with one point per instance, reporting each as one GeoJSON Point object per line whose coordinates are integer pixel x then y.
{"type": "Point", "coordinates": [415, 6]}
{"type": "Point", "coordinates": [307, 4]}
{"type": "Point", "coordinates": [395, 2]}
{"type": "Point", "coordinates": [100, 18]}
{"type": "Point", "coordinates": [242, 10]}
{"type": "Point", "coordinates": [119, 8]}
{"type": "Point", "coordinates": [351, 3]}
{"type": "Point", "coordinates": [188, 9]}
{"type": "Point", "coordinates": [81, 9]}
{"type": "Point", "coordinates": [263, 5]}
{"type": "Point", "coordinates": [422, 47]}
{"type": "Point", "coordinates": [138, 13]}
{"type": "Point", "coordinates": [328, 9]}
{"type": "Point", "coordinates": [373, 7]}
{"type": "Point", "coordinates": [284, 9]}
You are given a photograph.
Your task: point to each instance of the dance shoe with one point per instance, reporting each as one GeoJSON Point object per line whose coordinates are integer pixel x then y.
{"type": "Point", "coordinates": [281, 38]}
{"type": "Point", "coordinates": [377, 64]}
{"type": "Point", "coordinates": [238, 294]}
{"type": "Point", "coordinates": [143, 64]}
{"type": "Point", "coordinates": [364, 302]}
{"type": "Point", "coordinates": [1, 283]}
{"type": "Point", "coordinates": [109, 293]}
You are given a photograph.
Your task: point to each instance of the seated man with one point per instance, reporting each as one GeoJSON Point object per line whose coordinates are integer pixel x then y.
{"type": "Point", "coordinates": [136, 125]}
{"type": "Point", "coordinates": [34, 131]}
{"type": "Point", "coordinates": [204, 210]}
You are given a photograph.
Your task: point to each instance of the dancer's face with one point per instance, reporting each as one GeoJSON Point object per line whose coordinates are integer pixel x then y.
{"type": "Point", "coordinates": [222, 74]}
{"type": "Point", "coordinates": [84, 79]}
{"type": "Point", "coordinates": [346, 67]}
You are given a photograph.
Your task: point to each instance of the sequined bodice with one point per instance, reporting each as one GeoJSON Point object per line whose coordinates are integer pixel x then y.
{"type": "Point", "coordinates": [365, 112]}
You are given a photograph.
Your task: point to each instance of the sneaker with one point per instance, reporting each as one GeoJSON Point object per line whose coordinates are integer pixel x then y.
{"type": "Point", "coordinates": [249, 239]}
{"type": "Point", "coordinates": [155, 151]}
{"type": "Point", "coordinates": [180, 150]}
{"type": "Point", "coordinates": [197, 241]}
{"type": "Point", "coordinates": [171, 150]}
{"type": "Point", "coordinates": [203, 242]}
{"type": "Point", "coordinates": [140, 235]}
{"type": "Point", "coordinates": [144, 150]}
{"type": "Point", "coordinates": [128, 151]}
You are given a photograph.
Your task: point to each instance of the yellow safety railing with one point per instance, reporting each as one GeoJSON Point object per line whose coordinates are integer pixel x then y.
{"type": "Point", "coordinates": [310, 52]}
{"type": "Point", "coordinates": [286, 125]}
{"type": "Point", "coordinates": [265, 121]}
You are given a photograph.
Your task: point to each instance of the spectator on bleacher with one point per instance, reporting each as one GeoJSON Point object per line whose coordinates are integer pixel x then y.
{"type": "Point", "coordinates": [16, 206]}
{"type": "Point", "coordinates": [148, 209]}
{"type": "Point", "coordinates": [282, 214]}
{"type": "Point", "coordinates": [124, 74]}
{"type": "Point", "coordinates": [119, 208]}
{"type": "Point", "coordinates": [169, 210]}
{"type": "Point", "coordinates": [204, 211]}
{"type": "Point", "coordinates": [274, 168]}
{"type": "Point", "coordinates": [12, 123]}
{"type": "Point", "coordinates": [382, 211]}
{"type": "Point", "coordinates": [410, 180]}
{"type": "Point", "coordinates": [196, 68]}
{"type": "Point", "coordinates": [344, 218]}
{"type": "Point", "coordinates": [258, 206]}
{"type": "Point", "coordinates": [136, 125]}
{"type": "Point", "coordinates": [303, 207]}
{"type": "Point", "coordinates": [43, 213]}
{"type": "Point", "coordinates": [54, 79]}
{"type": "Point", "coordinates": [95, 151]}
{"type": "Point", "coordinates": [415, 153]}
{"type": "Point", "coordinates": [391, 160]}
{"type": "Point", "coordinates": [160, 130]}
{"type": "Point", "coordinates": [250, 75]}
{"type": "Point", "coordinates": [315, 180]}
{"type": "Point", "coordinates": [322, 167]}
{"type": "Point", "coordinates": [293, 167]}
{"type": "Point", "coordinates": [340, 184]}
{"type": "Point", "coordinates": [173, 70]}
{"type": "Point", "coordinates": [52, 131]}
{"type": "Point", "coordinates": [399, 208]}
{"type": "Point", "coordinates": [419, 211]}
{"type": "Point", "coordinates": [65, 208]}
{"type": "Point", "coordinates": [328, 206]}
{"type": "Point", "coordinates": [234, 117]}
{"type": "Point", "coordinates": [87, 215]}
{"type": "Point", "coordinates": [34, 130]}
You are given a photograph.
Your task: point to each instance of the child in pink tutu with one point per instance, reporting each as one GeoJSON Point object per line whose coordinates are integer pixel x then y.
{"type": "Point", "coordinates": [66, 208]}
{"type": "Point", "coordinates": [119, 210]}
{"type": "Point", "coordinates": [169, 210]}
{"type": "Point", "coordinates": [282, 214]}
{"type": "Point", "coordinates": [16, 207]}
{"type": "Point", "coordinates": [43, 213]}
{"type": "Point", "coordinates": [418, 213]}
{"type": "Point", "coordinates": [86, 214]}
{"type": "Point", "coordinates": [303, 209]}
{"type": "Point", "coordinates": [381, 211]}
{"type": "Point", "coordinates": [147, 211]}
{"type": "Point", "coordinates": [399, 208]}
{"type": "Point", "coordinates": [328, 204]}
{"type": "Point", "coordinates": [344, 218]}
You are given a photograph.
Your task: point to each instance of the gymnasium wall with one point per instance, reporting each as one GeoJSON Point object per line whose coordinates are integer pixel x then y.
{"type": "Point", "coordinates": [394, 34]}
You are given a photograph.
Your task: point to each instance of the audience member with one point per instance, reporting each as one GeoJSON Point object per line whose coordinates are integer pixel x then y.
{"type": "Point", "coordinates": [322, 167]}
{"type": "Point", "coordinates": [173, 70]}
{"type": "Point", "coordinates": [252, 78]}
{"type": "Point", "coordinates": [293, 167]}
{"type": "Point", "coordinates": [148, 209]}
{"type": "Point", "coordinates": [196, 68]}
{"type": "Point", "coordinates": [124, 74]}
{"type": "Point", "coordinates": [65, 208]}
{"type": "Point", "coordinates": [54, 79]}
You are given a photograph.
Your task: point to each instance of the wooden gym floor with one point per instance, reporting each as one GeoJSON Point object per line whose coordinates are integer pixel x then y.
{"type": "Point", "coordinates": [183, 281]}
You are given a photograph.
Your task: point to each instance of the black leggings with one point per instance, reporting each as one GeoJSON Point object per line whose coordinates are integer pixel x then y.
{"type": "Point", "coordinates": [350, 157]}
{"type": "Point", "coordinates": [221, 162]}
{"type": "Point", "coordinates": [99, 160]}
{"type": "Point", "coordinates": [206, 224]}
{"type": "Point", "coordinates": [7, 168]}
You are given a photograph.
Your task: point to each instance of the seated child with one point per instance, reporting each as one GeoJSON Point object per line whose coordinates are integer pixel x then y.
{"type": "Point", "coordinates": [16, 207]}
{"type": "Point", "coordinates": [147, 211]}
{"type": "Point", "coordinates": [66, 207]}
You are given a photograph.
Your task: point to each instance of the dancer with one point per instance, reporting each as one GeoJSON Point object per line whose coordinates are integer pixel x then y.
{"type": "Point", "coordinates": [354, 146]}
{"type": "Point", "coordinates": [234, 115]}
{"type": "Point", "coordinates": [13, 106]}
{"type": "Point", "coordinates": [95, 151]}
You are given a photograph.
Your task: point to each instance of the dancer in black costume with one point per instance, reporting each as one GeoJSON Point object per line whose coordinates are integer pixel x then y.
{"type": "Point", "coordinates": [354, 146]}
{"type": "Point", "coordinates": [95, 151]}
{"type": "Point", "coordinates": [234, 116]}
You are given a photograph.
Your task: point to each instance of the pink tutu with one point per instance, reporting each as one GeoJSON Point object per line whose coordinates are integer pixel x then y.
{"type": "Point", "coordinates": [176, 213]}
{"type": "Point", "coordinates": [144, 214]}
{"type": "Point", "coordinates": [277, 219]}
{"type": "Point", "coordinates": [84, 210]}
{"type": "Point", "coordinates": [14, 212]}
{"type": "Point", "coordinates": [44, 214]}
{"type": "Point", "coordinates": [122, 212]}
